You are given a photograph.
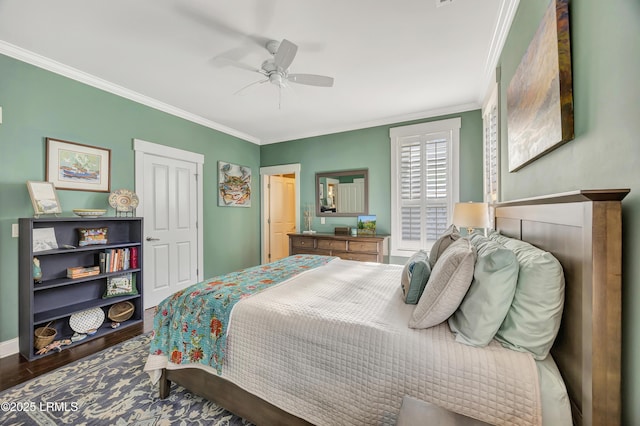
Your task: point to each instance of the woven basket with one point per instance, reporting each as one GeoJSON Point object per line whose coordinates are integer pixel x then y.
{"type": "Point", "coordinates": [43, 336]}
{"type": "Point", "coordinates": [121, 312]}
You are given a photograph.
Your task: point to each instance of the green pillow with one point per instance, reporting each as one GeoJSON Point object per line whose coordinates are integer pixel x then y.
{"type": "Point", "coordinates": [489, 298]}
{"type": "Point", "coordinates": [533, 321]}
{"type": "Point", "coordinates": [414, 277]}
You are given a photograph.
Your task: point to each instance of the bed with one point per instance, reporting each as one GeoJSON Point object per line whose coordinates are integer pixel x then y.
{"type": "Point", "coordinates": [582, 229]}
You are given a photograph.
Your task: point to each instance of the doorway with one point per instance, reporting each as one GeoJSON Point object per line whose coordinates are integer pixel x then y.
{"type": "Point", "coordinates": [170, 196]}
{"type": "Point", "coordinates": [280, 210]}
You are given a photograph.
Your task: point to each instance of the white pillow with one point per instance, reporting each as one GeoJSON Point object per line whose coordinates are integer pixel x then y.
{"type": "Point", "coordinates": [447, 285]}
{"type": "Point", "coordinates": [441, 244]}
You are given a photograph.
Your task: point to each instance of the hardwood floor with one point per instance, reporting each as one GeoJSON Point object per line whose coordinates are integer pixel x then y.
{"type": "Point", "coordinates": [15, 370]}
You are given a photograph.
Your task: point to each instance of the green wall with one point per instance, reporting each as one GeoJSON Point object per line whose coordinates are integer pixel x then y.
{"type": "Point", "coordinates": [37, 104]}
{"type": "Point", "coordinates": [605, 44]}
{"type": "Point", "coordinates": [371, 149]}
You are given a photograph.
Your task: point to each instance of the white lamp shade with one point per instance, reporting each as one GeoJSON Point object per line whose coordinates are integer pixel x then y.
{"type": "Point", "coordinates": [471, 215]}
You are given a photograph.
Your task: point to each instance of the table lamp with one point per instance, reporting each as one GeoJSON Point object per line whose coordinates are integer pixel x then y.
{"type": "Point", "coordinates": [471, 215]}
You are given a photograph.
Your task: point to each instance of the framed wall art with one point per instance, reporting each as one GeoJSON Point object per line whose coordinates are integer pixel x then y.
{"type": "Point", "coordinates": [540, 94]}
{"type": "Point", "coordinates": [234, 185]}
{"type": "Point", "coordinates": [44, 198]}
{"type": "Point", "coordinates": [78, 167]}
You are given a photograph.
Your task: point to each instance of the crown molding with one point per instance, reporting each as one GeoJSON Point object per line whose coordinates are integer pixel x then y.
{"type": "Point", "coordinates": [421, 115]}
{"type": "Point", "coordinates": [45, 63]}
{"type": "Point", "coordinates": [506, 14]}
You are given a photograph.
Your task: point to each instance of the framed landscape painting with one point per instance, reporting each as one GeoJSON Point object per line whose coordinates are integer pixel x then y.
{"type": "Point", "coordinates": [540, 94]}
{"type": "Point", "coordinates": [78, 167]}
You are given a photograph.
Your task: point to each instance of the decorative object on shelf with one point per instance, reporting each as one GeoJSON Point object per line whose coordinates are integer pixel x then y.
{"type": "Point", "coordinates": [540, 96]}
{"type": "Point", "coordinates": [57, 345]}
{"type": "Point", "coordinates": [120, 312]}
{"type": "Point", "coordinates": [76, 166]}
{"type": "Point", "coordinates": [124, 202]}
{"type": "Point", "coordinates": [44, 239]}
{"type": "Point", "coordinates": [89, 212]}
{"type": "Point", "coordinates": [37, 271]}
{"type": "Point", "coordinates": [367, 225]}
{"type": "Point", "coordinates": [82, 322]}
{"type": "Point", "coordinates": [78, 336]}
{"type": "Point", "coordinates": [234, 185]}
{"type": "Point", "coordinates": [308, 219]}
{"type": "Point", "coordinates": [354, 232]}
{"type": "Point", "coordinates": [471, 215]}
{"type": "Point", "coordinates": [44, 198]}
{"type": "Point", "coordinates": [43, 336]}
{"type": "Point", "coordinates": [82, 271]}
{"type": "Point", "coordinates": [121, 285]}
{"type": "Point", "coordinates": [92, 236]}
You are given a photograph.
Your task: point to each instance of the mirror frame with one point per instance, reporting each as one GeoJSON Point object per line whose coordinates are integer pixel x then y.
{"type": "Point", "coordinates": [364, 172]}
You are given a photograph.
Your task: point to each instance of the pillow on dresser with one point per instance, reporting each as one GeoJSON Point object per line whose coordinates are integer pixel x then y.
{"type": "Point", "coordinates": [414, 277]}
{"type": "Point", "coordinates": [441, 244]}
{"type": "Point", "coordinates": [447, 285]}
{"type": "Point", "coordinates": [489, 298]}
{"type": "Point", "coordinates": [533, 321]}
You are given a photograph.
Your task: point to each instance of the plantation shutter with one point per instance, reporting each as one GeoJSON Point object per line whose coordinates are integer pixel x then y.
{"type": "Point", "coordinates": [491, 154]}
{"type": "Point", "coordinates": [424, 188]}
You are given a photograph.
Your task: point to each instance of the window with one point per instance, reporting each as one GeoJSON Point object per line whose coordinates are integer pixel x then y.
{"type": "Point", "coordinates": [491, 147]}
{"type": "Point", "coordinates": [424, 183]}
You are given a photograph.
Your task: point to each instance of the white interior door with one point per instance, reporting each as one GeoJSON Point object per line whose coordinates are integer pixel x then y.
{"type": "Point", "coordinates": [282, 215]}
{"type": "Point", "coordinates": [170, 224]}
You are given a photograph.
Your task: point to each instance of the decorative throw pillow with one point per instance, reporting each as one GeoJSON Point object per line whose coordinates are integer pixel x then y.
{"type": "Point", "coordinates": [533, 321]}
{"type": "Point", "coordinates": [414, 277]}
{"type": "Point", "coordinates": [91, 236]}
{"type": "Point", "coordinates": [489, 298]}
{"type": "Point", "coordinates": [441, 244]}
{"type": "Point", "coordinates": [447, 285]}
{"type": "Point", "coordinates": [121, 285]}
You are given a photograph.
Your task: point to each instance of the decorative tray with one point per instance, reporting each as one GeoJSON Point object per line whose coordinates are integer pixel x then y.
{"type": "Point", "coordinates": [83, 322]}
{"type": "Point", "coordinates": [89, 212]}
{"type": "Point", "coordinates": [123, 200]}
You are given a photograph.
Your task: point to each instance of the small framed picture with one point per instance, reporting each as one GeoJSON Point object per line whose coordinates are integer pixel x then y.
{"type": "Point", "coordinates": [44, 198]}
{"type": "Point", "coordinates": [79, 167]}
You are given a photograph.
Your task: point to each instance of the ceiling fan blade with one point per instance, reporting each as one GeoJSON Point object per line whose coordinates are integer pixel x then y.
{"type": "Point", "coordinates": [250, 84]}
{"type": "Point", "coordinates": [285, 54]}
{"type": "Point", "coordinates": [311, 80]}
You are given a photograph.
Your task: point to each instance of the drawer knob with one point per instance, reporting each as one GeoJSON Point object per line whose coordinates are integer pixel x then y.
{"type": "Point", "coordinates": [302, 243]}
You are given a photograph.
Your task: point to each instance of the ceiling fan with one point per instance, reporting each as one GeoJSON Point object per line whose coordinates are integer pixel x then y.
{"type": "Point", "coordinates": [276, 69]}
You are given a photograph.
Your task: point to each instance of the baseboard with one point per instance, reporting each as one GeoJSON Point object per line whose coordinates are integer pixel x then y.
{"type": "Point", "coordinates": [9, 347]}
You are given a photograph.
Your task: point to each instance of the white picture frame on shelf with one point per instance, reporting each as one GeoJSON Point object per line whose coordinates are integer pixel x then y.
{"type": "Point", "coordinates": [44, 198]}
{"type": "Point", "coordinates": [44, 239]}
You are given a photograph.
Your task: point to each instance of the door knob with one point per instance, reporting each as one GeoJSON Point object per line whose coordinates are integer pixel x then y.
{"type": "Point", "coordinates": [153, 239]}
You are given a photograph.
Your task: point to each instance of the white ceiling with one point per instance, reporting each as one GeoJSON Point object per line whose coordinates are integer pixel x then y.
{"type": "Point", "coordinates": [391, 60]}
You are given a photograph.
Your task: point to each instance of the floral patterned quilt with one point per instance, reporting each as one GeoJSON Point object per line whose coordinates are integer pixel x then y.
{"type": "Point", "coordinates": [191, 325]}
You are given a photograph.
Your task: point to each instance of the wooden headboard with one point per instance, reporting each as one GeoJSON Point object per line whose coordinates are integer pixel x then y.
{"type": "Point", "coordinates": [583, 230]}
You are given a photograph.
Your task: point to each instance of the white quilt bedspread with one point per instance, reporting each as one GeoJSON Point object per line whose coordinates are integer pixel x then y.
{"type": "Point", "coordinates": [332, 346]}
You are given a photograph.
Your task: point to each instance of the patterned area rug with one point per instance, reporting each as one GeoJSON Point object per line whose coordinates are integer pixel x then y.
{"type": "Point", "coordinates": [107, 388]}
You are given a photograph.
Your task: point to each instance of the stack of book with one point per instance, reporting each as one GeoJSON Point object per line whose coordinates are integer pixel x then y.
{"type": "Point", "coordinates": [82, 271]}
{"type": "Point", "coordinates": [113, 260]}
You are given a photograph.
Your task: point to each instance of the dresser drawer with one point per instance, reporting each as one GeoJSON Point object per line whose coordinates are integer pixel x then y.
{"type": "Point", "coordinates": [332, 244]}
{"type": "Point", "coordinates": [302, 242]}
{"type": "Point", "coordinates": [360, 257]}
{"type": "Point", "coordinates": [363, 246]}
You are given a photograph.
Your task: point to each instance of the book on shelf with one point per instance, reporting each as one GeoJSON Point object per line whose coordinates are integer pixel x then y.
{"type": "Point", "coordinates": [114, 260]}
{"type": "Point", "coordinates": [82, 271]}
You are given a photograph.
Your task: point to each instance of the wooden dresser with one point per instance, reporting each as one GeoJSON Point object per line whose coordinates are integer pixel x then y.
{"type": "Point", "coordinates": [364, 248]}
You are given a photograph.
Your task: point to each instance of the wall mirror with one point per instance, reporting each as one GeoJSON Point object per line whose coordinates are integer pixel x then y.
{"type": "Point", "coordinates": [342, 193]}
